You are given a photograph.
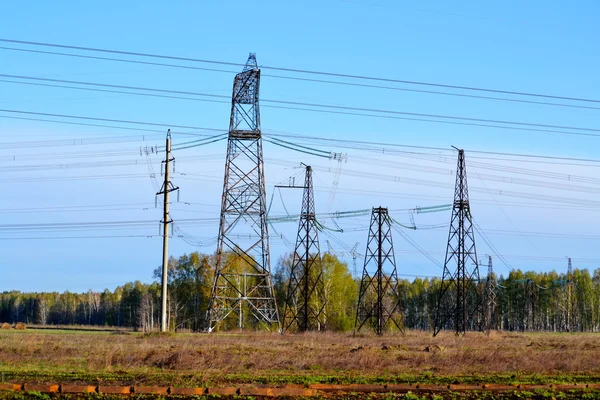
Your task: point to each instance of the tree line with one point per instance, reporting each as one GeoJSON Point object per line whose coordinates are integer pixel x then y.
{"type": "Point", "coordinates": [524, 301]}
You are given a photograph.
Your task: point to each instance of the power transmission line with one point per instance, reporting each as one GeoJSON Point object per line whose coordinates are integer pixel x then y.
{"type": "Point", "coordinates": [78, 208]}
{"type": "Point", "coordinates": [330, 108]}
{"type": "Point", "coordinates": [99, 125]}
{"type": "Point", "coordinates": [79, 237]}
{"type": "Point", "coordinates": [74, 142]}
{"type": "Point", "coordinates": [305, 79]}
{"type": "Point", "coordinates": [108, 120]}
{"type": "Point", "coordinates": [387, 147]}
{"type": "Point", "coordinates": [303, 71]}
{"type": "Point", "coordinates": [341, 142]}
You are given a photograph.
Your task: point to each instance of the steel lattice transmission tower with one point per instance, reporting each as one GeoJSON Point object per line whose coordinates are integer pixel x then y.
{"type": "Point", "coordinates": [459, 303]}
{"type": "Point", "coordinates": [569, 289]}
{"type": "Point", "coordinates": [379, 302]}
{"type": "Point", "coordinates": [491, 302]}
{"type": "Point", "coordinates": [530, 297]}
{"type": "Point", "coordinates": [305, 300]}
{"type": "Point", "coordinates": [243, 285]}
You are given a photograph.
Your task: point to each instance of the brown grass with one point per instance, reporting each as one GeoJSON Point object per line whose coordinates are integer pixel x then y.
{"type": "Point", "coordinates": [325, 354]}
{"type": "Point", "coordinates": [91, 328]}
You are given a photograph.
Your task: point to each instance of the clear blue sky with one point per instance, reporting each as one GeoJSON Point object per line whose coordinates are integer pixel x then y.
{"type": "Point", "coordinates": [538, 47]}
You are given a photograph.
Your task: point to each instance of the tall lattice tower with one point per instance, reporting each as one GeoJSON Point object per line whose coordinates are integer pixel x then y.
{"type": "Point", "coordinates": [490, 302]}
{"type": "Point", "coordinates": [569, 292]}
{"type": "Point", "coordinates": [459, 303]}
{"type": "Point", "coordinates": [305, 300]}
{"type": "Point", "coordinates": [243, 286]}
{"type": "Point", "coordinates": [379, 302]}
{"type": "Point", "coordinates": [530, 297]}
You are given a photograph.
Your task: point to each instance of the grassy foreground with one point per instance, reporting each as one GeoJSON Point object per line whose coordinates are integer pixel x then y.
{"type": "Point", "coordinates": [47, 356]}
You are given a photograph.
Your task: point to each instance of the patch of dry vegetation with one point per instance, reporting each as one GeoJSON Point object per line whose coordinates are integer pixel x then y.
{"type": "Point", "coordinates": [20, 326]}
{"type": "Point", "coordinates": [216, 356]}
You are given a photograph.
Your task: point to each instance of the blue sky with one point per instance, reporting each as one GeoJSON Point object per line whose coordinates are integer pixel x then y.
{"type": "Point", "coordinates": [536, 47]}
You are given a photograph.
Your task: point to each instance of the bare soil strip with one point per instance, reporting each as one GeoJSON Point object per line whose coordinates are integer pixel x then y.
{"type": "Point", "coordinates": [298, 390]}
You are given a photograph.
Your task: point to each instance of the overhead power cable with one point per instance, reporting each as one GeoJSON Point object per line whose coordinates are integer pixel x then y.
{"type": "Point", "coordinates": [515, 233]}
{"type": "Point", "coordinates": [305, 79]}
{"type": "Point", "coordinates": [103, 126]}
{"type": "Point", "coordinates": [304, 109]}
{"type": "Point", "coordinates": [296, 148]}
{"type": "Point", "coordinates": [200, 142]}
{"type": "Point", "coordinates": [387, 163]}
{"type": "Point", "coordinates": [297, 70]}
{"type": "Point", "coordinates": [491, 246]}
{"type": "Point", "coordinates": [114, 91]}
{"type": "Point", "coordinates": [348, 110]}
{"type": "Point", "coordinates": [327, 153]}
{"type": "Point", "coordinates": [387, 147]}
{"type": "Point", "coordinates": [362, 145]}
{"type": "Point", "coordinates": [121, 121]}
{"type": "Point", "coordinates": [273, 135]}
{"type": "Point", "coordinates": [415, 245]}
{"type": "Point", "coordinates": [75, 142]}
{"type": "Point", "coordinates": [106, 85]}
{"type": "Point", "coordinates": [79, 208]}
{"type": "Point", "coordinates": [78, 237]}
{"type": "Point", "coordinates": [430, 183]}
{"type": "Point", "coordinates": [518, 257]}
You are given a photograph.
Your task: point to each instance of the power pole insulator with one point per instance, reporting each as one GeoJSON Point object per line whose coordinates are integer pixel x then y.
{"type": "Point", "coordinates": [166, 189]}
{"type": "Point", "coordinates": [243, 285]}
{"type": "Point", "coordinates": [379, 301]}
{"type": "Point", "coordinates": [459, 303]}
{"type": "Point", "coordinates": [305, 300]}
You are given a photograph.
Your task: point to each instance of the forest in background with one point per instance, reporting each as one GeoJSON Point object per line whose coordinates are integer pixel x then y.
{"type": "Point", "coordinates": [526, 301]}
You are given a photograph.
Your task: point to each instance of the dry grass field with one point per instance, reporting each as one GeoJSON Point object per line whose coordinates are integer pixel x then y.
{"type": "Point", "coordinates": [44, 356]}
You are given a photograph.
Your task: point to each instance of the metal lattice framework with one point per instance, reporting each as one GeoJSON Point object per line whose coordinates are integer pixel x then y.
{"type": "Point", "coordinates": [459, 303]}
{"type": "Point", "coordinates": [379, 302]}
{"type": "Point", "coordinates": [530, 296]}
{"type": "Point", "coordinates": [566, 300]}
{"type": "Point", "coordinates": [570, 293]}
{"type": "Point", "coordinates": [243, 284]}
{"type": "Point", "coordinates": [491, 301]}
{"type": "Point", "coordinates": [305, 300]}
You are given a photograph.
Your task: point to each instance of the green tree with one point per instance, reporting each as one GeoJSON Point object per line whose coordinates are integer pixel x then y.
{"type": "Point", "coordinates": [190, 279]}
{"type": "Point", "coordinates": [341, 294]}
